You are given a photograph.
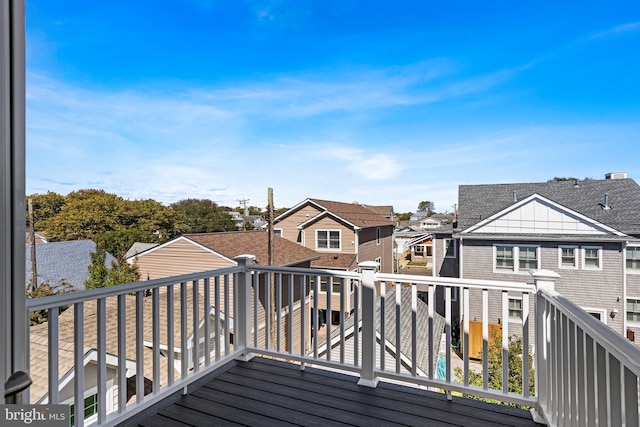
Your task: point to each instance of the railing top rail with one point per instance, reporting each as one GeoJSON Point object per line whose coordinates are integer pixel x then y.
{"type": "Point", "coordinates": [614, 343]}
{"type": "Point", "coordinates": [306, 271]}
{"type": "Point", "coordinates": [110, 291]}
{"type": "Point", "coordinates": [457, 282]}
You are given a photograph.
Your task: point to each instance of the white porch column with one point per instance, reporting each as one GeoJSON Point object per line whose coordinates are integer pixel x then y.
{"type": "Point", "coordinates": [543, 280]}
{"type": "Point", "coordinates": [368, 300]}
{"type": "Point", "coordinates": [243, 316]}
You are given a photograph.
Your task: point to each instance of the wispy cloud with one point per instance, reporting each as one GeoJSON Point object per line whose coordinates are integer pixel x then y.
{"type": "Point", "coordinates": [630, 27]}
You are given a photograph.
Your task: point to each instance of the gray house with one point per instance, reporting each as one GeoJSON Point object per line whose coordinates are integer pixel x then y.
{"type": "Point", "coordinates": [586, 231]}
{"type": "Point", "coordinates": [66, 262]}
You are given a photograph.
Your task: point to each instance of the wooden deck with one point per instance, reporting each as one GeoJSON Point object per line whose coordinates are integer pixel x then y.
{"type": "Point", "coordinates": [265, 392]}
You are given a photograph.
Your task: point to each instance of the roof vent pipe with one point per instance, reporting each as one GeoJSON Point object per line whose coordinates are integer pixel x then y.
{"type": "Point", "coordinates": [606, 206]}
{"type": "Point", "coordinates": [515, 196]}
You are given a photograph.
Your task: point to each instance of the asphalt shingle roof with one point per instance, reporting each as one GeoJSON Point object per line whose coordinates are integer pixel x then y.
{"type": "Point", "coordinates": [236, 243]}
{"type": "Point", "coordinates": [422, 327]}
{"type": "Point", "coordinates": [63, 261]}
{"type": "Point", "coordinates": [356, 214]}
{"type": "Point", "coordinates": [479, 202]}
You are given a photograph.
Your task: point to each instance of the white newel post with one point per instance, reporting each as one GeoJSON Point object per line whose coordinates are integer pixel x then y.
{"type": "Point", "coordinates": [243, 316]}
{"type": "Point", "coordinates": [367, 376]}
{"type": "Point", "coordinates": [543, 279]}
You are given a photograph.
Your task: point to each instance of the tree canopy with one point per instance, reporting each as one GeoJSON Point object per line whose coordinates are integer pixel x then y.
{"type": "Point", "coordinates": [201, 216]}
{"type": "Point", "coordinates": [426, 206]}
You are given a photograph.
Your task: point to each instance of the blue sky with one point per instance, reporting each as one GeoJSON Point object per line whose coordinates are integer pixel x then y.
{"type": "Point", "coordinates": [369, 101]}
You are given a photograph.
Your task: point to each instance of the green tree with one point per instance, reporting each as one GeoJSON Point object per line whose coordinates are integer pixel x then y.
{"type": "Point", "coordinates": [118, 242]}
{"type": "Point", "coordinates": [45, 289]}
{"type": "Point", "coordinates": [494, 367]}
{"type": "Point", "coordinates": [279, 211]}
{"type": "Point", "coordinates": [426, 206]}
{"type": "Point", "coordinates": [201, 216]}
{"type": "Point", "coordinates": [404, 216]}
{"type": "Point", "coordinates": [100, 275]}
{"type": "Point", "coordinates": [45, 206]}
{"type": "Point", "coordinates": [89, 213]}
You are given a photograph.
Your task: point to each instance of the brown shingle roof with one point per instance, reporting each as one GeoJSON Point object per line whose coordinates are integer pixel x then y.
{"type": "Point", "coordinates": [338, 260]}
{"type": "Point", "coordinates": [354, 213]}
{"type": "Point", "coordinates": [235, 243]}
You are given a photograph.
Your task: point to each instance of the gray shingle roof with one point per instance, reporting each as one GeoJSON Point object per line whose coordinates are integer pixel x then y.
{"type": "Point", "coordinates": [422, 327]}
{"type": "Point", "coordinates": [479, 202]}
{"type": "Point", "coordinates": [63, 261]}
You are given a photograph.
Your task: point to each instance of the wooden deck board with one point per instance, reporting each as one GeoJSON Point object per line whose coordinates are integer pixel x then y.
{"type": "Point", "coordinates": [271, 393]}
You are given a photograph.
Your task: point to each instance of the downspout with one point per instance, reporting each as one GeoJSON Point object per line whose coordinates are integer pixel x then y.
{"type": "Point", "coordinates": [357, 244]}
{"type": "Point", "coordinates": [624, 288]}
{"type": "Point", "coordinates": [460, 258]}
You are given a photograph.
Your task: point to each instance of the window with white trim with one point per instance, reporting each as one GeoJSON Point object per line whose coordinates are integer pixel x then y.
{"type": "Point", "coordinates": [419, 250]}
{"type": "Point", "coordinates": [505, 257]}
{"type": "Point", "coordinates": [633, 258]}
{"type": "Point", "coordinates": [515, 309]}
{"type": "Point", "coordinates": [592, 257]}
{"type": "Point", "coordinates": [528, 257]}
{"type": "Point", "coordinates": [567, 257]}
{"type": "Point", "coordinates": [90, 408]}
{"type": "Point", "coordinates": [633, 311]}
{"type": "Point", "coordinates": [449, 248]}
{"type": "Point", "coordinates": [328, 239]}
{"type": "Point", "coordinates": [277, 232]}
{"type": "Point", "coordinates": [598, 313]}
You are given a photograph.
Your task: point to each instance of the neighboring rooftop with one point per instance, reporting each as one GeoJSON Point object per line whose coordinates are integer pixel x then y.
{"type": "Point", "coordinates": [235, 243]}
{"type": "Point", "coordinates": [139, 247]}
{"type": "Point", "coordinates": [356, 214]}
{"type": "Point", "coordinates": [63, 261]}
{"type": "Point", "coordinates": [588, 197]}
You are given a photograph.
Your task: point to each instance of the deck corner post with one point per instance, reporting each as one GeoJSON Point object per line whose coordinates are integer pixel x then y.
{"type": "Point", "coordinates": [367, 374]}
{"type": "Point", "coordinates": [243, 316]}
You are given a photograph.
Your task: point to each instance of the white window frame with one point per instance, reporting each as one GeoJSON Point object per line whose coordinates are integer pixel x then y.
{"type": "Point", "coordinates": [377, 235]}
{"type": "Point", "coordinates": [277, 232]}
{"type": "Point", "coordinates": [512, 318]}
{"type": "Point", "coordinates": [423, 252]}
{"type": "Point", "coordinates": [329, 248]}
{"type": "Point", "coordinates": [516, 258]}
{"type": "Point", "coordinates": [601, 311]}
{"type": "Point", "coordinates": [576, 257]}
{"type": "Point", "coordinates": [631, 322]}
{"type": "Point", "coordinates": [446, 243]}
{"type": "Point", "coordinates": [584, 258]}
{"type": "Point", "coordinates": [626, 254]}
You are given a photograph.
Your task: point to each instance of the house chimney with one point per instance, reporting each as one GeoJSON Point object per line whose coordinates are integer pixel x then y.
{"type": "Point", "coordinates": [616, 175]}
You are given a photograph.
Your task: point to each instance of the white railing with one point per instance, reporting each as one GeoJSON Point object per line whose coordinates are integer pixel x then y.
{"type": "Point", "coordinates": [587, 374]}
{"type": "Point", "coordinates": [384, 330]}
{"type": "Point", "coordinates": [139, 331]}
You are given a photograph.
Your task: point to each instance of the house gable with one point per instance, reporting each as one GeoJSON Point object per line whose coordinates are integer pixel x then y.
{"type": "Point", "coordinates": [538, 215]}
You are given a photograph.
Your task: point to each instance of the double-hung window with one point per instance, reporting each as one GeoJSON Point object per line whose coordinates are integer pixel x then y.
{"type": "Point", "coordinates": [568, 257]}
{"type": "Point", "coordinates": [504, 258]}
{"type": "Point", "coordinates": [633, 311]}
{"type": "Point", "coordinates": [519, 259]}
{"type": "Point", "coordinates": [328, 239]}
{"type": "Point", "coordinates": [592, 257]}
{"type": "Point", "coordinates": [515, 309]}
{"type": "Point", "coordinates": [633, 259]}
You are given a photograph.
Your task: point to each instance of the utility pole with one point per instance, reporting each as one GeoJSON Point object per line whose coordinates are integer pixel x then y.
{"type": "Point", "coordinates": [244, 203]}
{"type": "Point", "coordinates": [271, 261]}
{"type": "Point", "coordinates": [32, 238]}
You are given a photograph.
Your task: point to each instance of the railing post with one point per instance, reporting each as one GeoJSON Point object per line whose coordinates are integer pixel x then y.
{"type": "Point", "coordinates": [367, 375]}
{"type": "Point", "coordinates": [543, 279]}
{"type": "Point", "coordinates": [242, 325]}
